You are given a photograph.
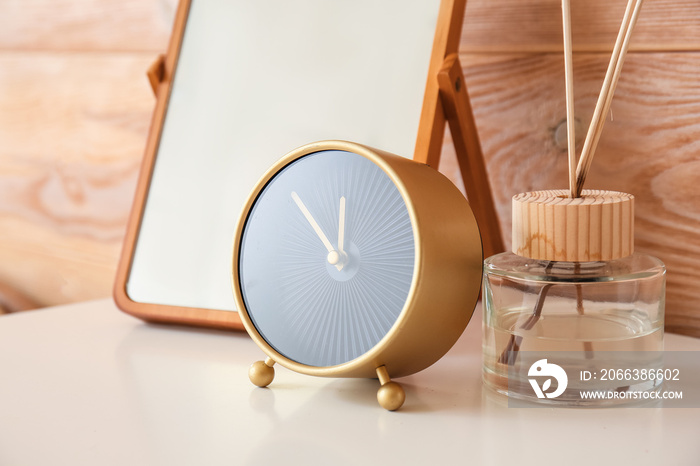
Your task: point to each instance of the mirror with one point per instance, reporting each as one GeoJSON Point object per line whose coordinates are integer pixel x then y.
{"type": "Point", "coordinates": [245, 82]}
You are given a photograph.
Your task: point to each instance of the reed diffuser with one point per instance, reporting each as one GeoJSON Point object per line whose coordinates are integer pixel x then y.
{"type": "Point", "coordinates": [572, 282]}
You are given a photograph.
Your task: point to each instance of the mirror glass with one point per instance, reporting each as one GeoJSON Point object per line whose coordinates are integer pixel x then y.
{"type": "Point", "coordinates": [256, 79]}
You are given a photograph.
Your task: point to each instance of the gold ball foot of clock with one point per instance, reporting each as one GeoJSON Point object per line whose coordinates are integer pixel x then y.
{"type": "Point", "coordinates": [261, 373]}
{"type": "Point", "coordinates": [391, 394]}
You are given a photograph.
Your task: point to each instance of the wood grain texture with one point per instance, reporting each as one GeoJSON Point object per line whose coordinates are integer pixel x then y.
{"type": "Point", "coordinates": [536, 25]}
{"type": "Point", "coordinates": [74, 113]}
{"type": "Point", "coordinates": [86, 25]}
{"type": "Point", "coordinates": [73, 128]}
{"type": "Point", "coordinates": [650, 149]}
{"type": "Point", "coordinates": [465, 138]}
{"type": "Point", "coordinates": [552, 226]}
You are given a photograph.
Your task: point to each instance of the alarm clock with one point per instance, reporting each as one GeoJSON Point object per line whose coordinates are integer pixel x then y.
{"type": "Point", "coordinates": [352, 262]}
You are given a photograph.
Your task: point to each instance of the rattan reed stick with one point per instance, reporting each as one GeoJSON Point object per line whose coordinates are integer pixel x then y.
{"type": "Point", "coordinates": [607, 91]}
{"type": "Point", "coordinates": [569, 77]}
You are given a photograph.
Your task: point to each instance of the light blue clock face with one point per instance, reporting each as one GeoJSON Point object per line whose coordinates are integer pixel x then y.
{"type": "Point", "coordinates": [326, 258]}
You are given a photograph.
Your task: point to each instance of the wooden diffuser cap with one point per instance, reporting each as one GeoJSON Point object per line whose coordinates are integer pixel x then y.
{"type": "Point", "coordinates": [549, 225]}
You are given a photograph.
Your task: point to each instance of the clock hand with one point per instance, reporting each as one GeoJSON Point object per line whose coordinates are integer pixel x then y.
{"type": "Point", "coordinates": [341, 226]}
{"type": "Point", "coordinates": [331, 251]}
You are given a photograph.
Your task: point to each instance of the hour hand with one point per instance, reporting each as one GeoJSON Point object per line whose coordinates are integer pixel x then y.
{"type": "Point", "coordinates": [322, 236]}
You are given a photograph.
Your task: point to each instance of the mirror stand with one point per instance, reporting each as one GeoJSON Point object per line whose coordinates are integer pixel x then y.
{"type": "Point", "coordinates": [470, 158]}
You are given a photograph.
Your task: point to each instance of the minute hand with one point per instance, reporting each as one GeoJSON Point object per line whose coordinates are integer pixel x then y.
{"type": "Point", "coordinates": [314, 225]}
{"type": "Point", "coordinates": [341, 225]}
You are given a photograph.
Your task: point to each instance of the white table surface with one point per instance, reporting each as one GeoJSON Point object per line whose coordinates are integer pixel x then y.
{"type": "Point", "coordinates": [85, 384]}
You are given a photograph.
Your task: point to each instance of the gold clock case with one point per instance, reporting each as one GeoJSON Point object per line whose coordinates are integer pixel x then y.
{"type": "Point", "coordinates": [447, 269]}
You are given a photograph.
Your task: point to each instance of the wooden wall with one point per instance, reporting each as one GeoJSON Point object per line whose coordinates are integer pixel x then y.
{"type": "Point", "coordinates": [75, 107]}
{"type": "Point", "coordinates": [514, 69]}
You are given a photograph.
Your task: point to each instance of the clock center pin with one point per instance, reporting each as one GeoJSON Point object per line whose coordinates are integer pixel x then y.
{"type": "Point", "coordinates": [342, 265]}
{"type": "Point", "coordinates": [338, 258]}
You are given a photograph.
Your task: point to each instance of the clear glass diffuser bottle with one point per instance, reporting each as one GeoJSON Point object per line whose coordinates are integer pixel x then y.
{"type": "Point", "coordinates": [572, 291]}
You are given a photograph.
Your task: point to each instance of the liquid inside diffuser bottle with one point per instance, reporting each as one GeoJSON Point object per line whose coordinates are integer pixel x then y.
{"type": "Point", "coordinates": [573, 293]}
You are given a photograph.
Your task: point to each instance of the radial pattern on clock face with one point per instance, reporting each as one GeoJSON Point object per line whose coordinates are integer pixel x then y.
{"type": "Point", "coordinates": [327, 258]}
